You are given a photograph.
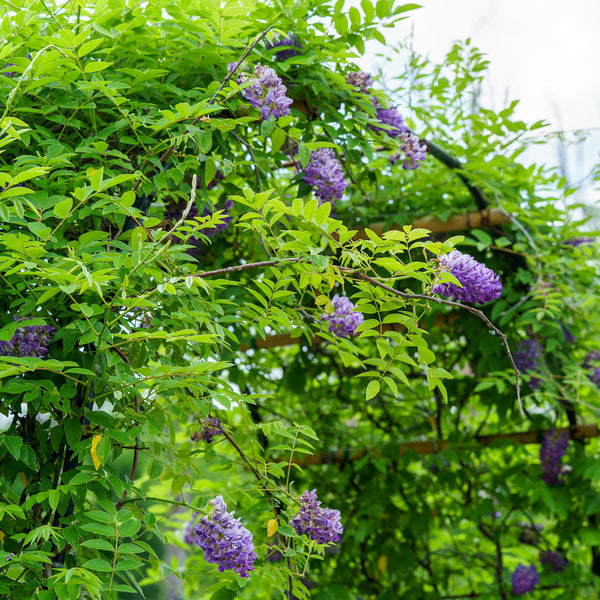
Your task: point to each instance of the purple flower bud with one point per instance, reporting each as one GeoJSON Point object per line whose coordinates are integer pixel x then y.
{"type": "Point", "coordinates": [569, 337]}
{"type": "Point", "coordinates": [344, 320]}
{"type": "Point", "coordinates": [556, 560]}
{"type": "Point", "coordinates": [211, 427]}
{"type": "Point", "coordinates": [479, 284]}
{"type": "Point", "coordinates": [591, 363]}
{"type": "Point", "coordinates": [225, 540]}
{"type": "Point", "coordinates": [528, 358]}
{"type": "Point", "coordinates": [321, 525]}
{"type": "Point", "coordinates": [266, 92]}
{"type": "Point", "coordinates": [32, 340]}
{"type": "Point", "coordinates": [530, 534]}
{"type": "Point", "coordinates": [361, 80]}
{"type": "Point", "coordinates": [524, 579]}
{"type": "Point", "coordinates": [325, 173]}
{"type": "Point", "coordinates": [553, 448]}
{"type": "Point", "coordinates": [291, 47]}
{"type": "Point", "coordinates": [579, 241]}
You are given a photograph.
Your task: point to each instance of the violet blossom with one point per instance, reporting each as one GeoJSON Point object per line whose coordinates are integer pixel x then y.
{"type": "Point", "coordinates": [324, 172]}
{"type": "Point", "coordinates": [344, 320]}
{"type": "Point", "coordinates": [479, 284]}
{"type": "Point", "coordinates": [225, 540]}
{"type": "Point", "coordinates": [321, 525]}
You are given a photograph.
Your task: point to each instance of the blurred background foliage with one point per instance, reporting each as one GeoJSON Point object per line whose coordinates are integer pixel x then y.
{"type": "Point", "coordinates": [118, 114]}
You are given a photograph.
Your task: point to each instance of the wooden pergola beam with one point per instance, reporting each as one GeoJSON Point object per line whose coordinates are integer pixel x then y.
{"type": "Point", "coordinates": [578, 432]}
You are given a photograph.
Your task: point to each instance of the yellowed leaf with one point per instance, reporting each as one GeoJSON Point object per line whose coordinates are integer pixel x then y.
{"type": "Point", "coordinates": [272, 527]}
{"type": "Point", "coordinates": [2, 538]}
{"type": "Point", "coordinates": [382, 563]}
{"type": "Point", "coordinates": [95, 441]}
{"type": "Point", "coordinates": [26, 481]}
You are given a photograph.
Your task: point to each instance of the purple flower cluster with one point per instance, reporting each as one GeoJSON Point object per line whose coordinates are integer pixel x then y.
{"type": "Point", "coordinates": [321, 525]}
{"type": "Point", "coordinates": [528, 358]}
{"type": "Point", "coordinates": [31, 340]}
{"type": "Point", "coordinates": [361, 80]}
{"type": "Point", "coordinates": [553, 448]}
{"type": "Point", "coordinates": [414, 152]}
{"type": "Point", "coordinates": [556, 560]}
{"type": "Point", "coordinates": [291, 44]}
{"type": "Point", "coordinates": [479, 284]}
{"type": "Point", "coordinates": [9, 73]}
{"type": "Point", "coordinates": [266, 92]}
{"type": "Point", "coordinates": [591, 363]}
{"type": "Point", "coordinates": [325, 173]}
{"type": "Point", "coordinates": [390, 117]}
{"type": "Point", "coordinates": [211, 427]}
{"type": "Point", "coordinates": [225, 540]}
{"type": "Point", "coordinates": [524, 579]}
{"type": "Point", "coordinates": [344, 320]}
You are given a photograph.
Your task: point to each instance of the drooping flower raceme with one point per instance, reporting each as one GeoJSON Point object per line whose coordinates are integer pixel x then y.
{"type": "Point", "coordinates": [528, 357]}
{"type": "Point", "coordinates": [390, 117]}
{"type": "Point", "coordinates": [321, 525]}
{"type": "Point", "coordinates": [361, 80]}
{"type": "Point", "coordinates": [344, 320]}
{"type": "Point", "coordinates": [266, 92]}
{"type": "Point", "coordinates": [479, 284]}
{"type": "Point", "coordinates": [225, 540]}
{"type": "Point", "coordinates": [324, 172]}
{"type": "Point", "coordinates": [291, 47]}
{"type": "Point", "coordinates": [591, 363]}
{"type": "Point", "coordinates": [31, 340]}
{"type": "Point", "coordinates": [524, 579]}
{"type": "Point", "coordinates": [556, 560]}
{"type": "Point", "coordinates": [553, 448]}
{"type": "Point", "coordinates": [414, 152]}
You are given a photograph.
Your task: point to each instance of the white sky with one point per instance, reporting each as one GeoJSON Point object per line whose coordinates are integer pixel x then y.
{"type": "Point", "coordinates": [542, 52]}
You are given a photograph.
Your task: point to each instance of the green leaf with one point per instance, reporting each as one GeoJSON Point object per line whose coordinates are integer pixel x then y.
{"type": "Point", "coordinates": [128, 563]}
{"type": "Point", "coordinates": [94, 67]}
{"type": "Point", "coordinates": [13, 444]}
{"type": "Point", "coordinates": [98, 564]}
{"type": "Point", "coordinates": [372, 389]}
{"type": "Point", "coordinates": [62, 209]}
{"type": "Point", "coordinates": [304, 155]}
{"type": "Point", "coordinates": [267, 128]}
{"type": "Point", "coordinates": [73, 431]}
{"type": "Point", "coordinates": [98, 544]}
{"type": "Point", "coordinates": [129, 528]}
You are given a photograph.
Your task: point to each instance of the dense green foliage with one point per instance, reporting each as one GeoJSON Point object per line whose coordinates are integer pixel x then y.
{"type": "Point", "coordinates": [116, 111]}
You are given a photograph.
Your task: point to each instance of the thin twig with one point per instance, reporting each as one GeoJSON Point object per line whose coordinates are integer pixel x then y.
{"type": "Point", "coordinates": [234, 269]}
{"type": "Point", "coordinates": [475, 311]}
{"type": "Point", "coordinates": [136, 448]}
{"type": "Point", "coordinates": [229, 75]}
{"type": "Point", "coordinates": [243, 456]}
